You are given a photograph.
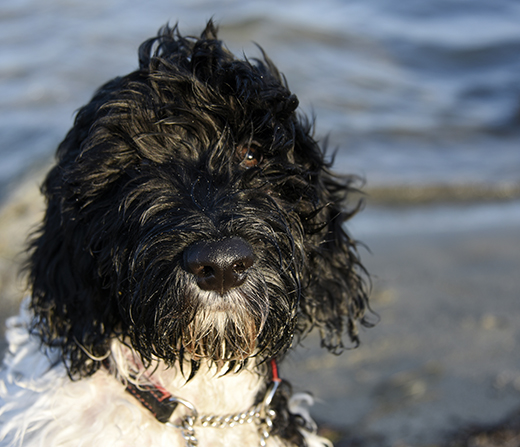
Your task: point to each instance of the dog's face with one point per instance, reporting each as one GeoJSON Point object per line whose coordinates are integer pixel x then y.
{"type": "Point", "coordinates": [192, 214]}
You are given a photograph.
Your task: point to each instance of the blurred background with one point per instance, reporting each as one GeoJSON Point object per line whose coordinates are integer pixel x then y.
{"type": "Point", "coordinates": [421, 99]}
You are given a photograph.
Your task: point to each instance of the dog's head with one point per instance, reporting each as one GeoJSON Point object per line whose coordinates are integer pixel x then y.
{"type": "Point", "coordinates": [191, 214]}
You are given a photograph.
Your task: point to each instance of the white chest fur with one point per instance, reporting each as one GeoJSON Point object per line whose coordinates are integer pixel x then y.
{"type": "Point", "coordinates": [42, 407]}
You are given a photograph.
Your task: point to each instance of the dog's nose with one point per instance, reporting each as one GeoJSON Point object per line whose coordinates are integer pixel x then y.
{"type": "Point", "coordinates": [219, 266]}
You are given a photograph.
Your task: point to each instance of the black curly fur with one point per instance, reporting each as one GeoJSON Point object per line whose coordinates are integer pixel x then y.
{"type": "Point", "coordinates": [194, 145]}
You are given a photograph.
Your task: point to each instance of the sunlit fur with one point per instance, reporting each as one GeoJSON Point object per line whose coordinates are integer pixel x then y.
{"type": "Point", "coordinates": [42, 407]}
{"type": "Point", "coordinates": [195, 145]}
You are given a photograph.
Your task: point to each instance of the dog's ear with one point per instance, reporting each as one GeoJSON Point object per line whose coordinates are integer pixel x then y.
{"type": "Point", "coordinates": [71, 305]}
{"type": "Point", "coordinates": [335, 291]}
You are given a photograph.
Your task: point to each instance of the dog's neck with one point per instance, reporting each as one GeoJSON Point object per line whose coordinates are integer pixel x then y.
{"type": "Point", "coordinates": [210, 391]}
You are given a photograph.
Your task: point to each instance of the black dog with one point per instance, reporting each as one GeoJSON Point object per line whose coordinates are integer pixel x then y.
{"type": "Point", "coordinates": [193, 229]}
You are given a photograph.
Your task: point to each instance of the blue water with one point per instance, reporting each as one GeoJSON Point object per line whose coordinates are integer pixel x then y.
{"type": "Point", "coordinates": [410, 91]}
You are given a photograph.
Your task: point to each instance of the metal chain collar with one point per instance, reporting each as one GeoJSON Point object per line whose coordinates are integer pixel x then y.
{"type": "Point", "coordinates": [259, 414]}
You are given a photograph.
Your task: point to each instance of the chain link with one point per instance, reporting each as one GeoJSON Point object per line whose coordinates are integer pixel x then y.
{"type": "Point", "coordinates": [265, 427]}
{"type": "Point", "coordinates": [230, 420]}
{"type": "Point", "coordinates": [188, 432]}
{"type": "Point", "coordinates": [260, 414]}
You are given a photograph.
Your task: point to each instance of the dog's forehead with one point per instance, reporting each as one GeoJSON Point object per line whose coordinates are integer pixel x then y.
{"type": "Point", "coordinates": [193, 100]}
{"type": "Point", "coordinates": [171, 131]}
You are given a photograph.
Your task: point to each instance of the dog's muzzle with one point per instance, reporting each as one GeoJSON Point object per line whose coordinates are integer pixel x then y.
{"type": "Point", "coordinates": [219, 266]}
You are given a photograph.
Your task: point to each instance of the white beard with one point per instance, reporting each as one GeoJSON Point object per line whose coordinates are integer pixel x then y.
{"type": "Point", "coordinates": [42, 407]}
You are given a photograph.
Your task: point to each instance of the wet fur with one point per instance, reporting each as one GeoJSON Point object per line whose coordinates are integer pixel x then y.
{"type": "Point", "coordinates": [195, 145]}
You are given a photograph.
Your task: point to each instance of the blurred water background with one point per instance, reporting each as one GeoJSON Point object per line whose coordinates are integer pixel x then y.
{"type": "Point", "coordinates": [421, 98]}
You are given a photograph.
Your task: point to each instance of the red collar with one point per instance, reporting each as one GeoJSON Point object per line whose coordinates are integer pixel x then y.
{"type": "Point", "coordinates": [162, 404]}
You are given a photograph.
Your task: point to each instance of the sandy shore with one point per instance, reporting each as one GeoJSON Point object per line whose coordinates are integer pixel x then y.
{"type": "Point", "coordinates": [443, 357]}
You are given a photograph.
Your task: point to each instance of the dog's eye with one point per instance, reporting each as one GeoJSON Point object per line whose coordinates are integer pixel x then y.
{"type": "Point", "coordinates": [249, 156]}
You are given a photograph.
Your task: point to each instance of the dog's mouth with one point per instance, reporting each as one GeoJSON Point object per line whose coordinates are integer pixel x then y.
{"type": "Point", "coordinates": [221, 339]}
{"type": "Point", "coordinates": [226, 327]}
{"type": "Point", "coordinates": [223, 302]}
{"type": "Point", "coordinates": [230, 313]}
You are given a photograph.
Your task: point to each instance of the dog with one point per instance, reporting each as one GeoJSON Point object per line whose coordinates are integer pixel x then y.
{"type": "Point", "coordinates": [193, 233]}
